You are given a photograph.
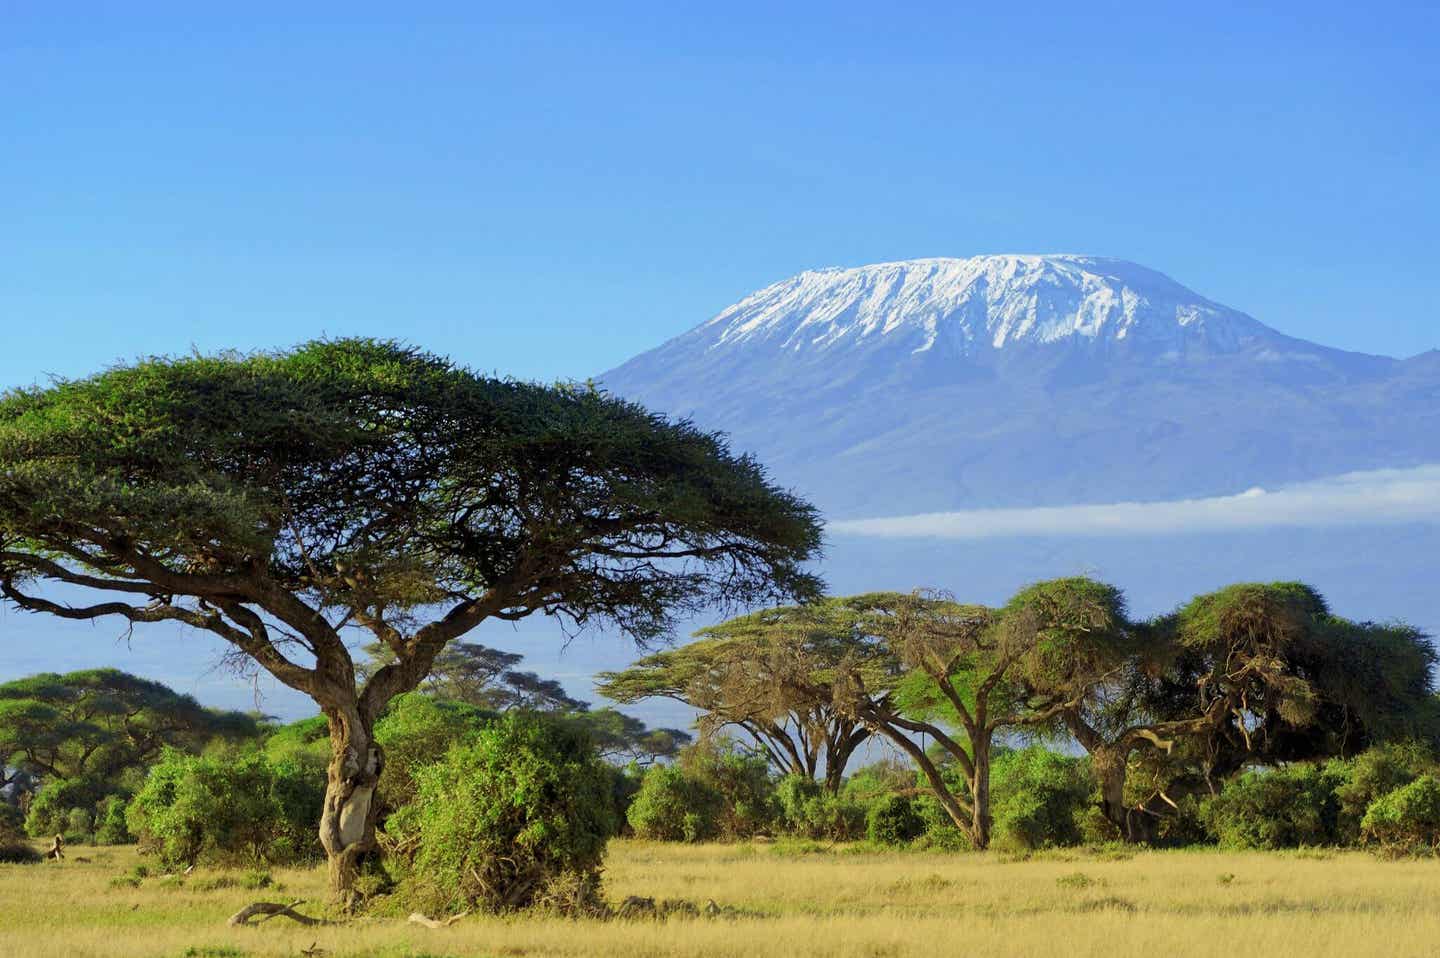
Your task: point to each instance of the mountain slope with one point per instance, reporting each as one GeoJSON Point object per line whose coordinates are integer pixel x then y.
{"type": "Point", "coordinates": [1024, 380]}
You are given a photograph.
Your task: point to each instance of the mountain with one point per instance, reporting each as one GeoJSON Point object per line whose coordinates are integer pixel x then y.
{"type": "Point", "coordinates": [941, 384]}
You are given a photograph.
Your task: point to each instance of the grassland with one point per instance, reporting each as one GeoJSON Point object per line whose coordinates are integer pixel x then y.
{"type": "Point", "coordinates": [792, 900]}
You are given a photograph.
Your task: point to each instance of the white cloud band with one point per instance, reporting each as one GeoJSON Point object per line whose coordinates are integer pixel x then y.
{"type": "Point", "coordinates": [1357, 498]}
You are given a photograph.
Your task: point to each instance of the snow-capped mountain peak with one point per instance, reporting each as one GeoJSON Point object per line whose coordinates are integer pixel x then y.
{"type": "Point", "coordinates": [984, 302]}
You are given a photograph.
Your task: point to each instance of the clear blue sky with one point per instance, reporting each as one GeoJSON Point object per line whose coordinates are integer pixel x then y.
{"type": "Point", "coordinates": [548, 189]}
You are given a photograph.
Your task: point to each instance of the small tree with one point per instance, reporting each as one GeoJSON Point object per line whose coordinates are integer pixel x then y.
{"type": "Point", "coordinates": [278, 500]}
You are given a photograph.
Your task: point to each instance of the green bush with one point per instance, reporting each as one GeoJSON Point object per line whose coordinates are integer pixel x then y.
{"type": "Point", "coordinates": [892, 820]}
{"type": "Point", "coordinates": [1276, 808]}
{"type": "Point", "coordinates": [940, 831]}
{"type": "Point", "coordinates": [110, 827]}
{"type": "Point", "coordinates": [246, 809]}
{"type": "Point", "coordinates": [1040, 798]}
{"type": "Point", "coordinates": [1408, 817]}
{"type": "Point", "coordinates": [65, 806]}
{"type": "Point", "coordinates": [747, 793]}
{"type": "Point", "coordinates": [674, 806]}
{"type": "Point", "coordinates": [305, 743]}
{"type": "Point", "coordinates": [417, 730]}
{"type": "Point", "coordinates": [1372, 775]}
{"type": "Point", "coordinates": [508, 819]}
{"type": "Point", "coordinates": [808, 811]}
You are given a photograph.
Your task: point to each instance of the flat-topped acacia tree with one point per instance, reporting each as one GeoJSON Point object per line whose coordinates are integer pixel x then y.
{"type": "Point", "coordinates": [278, 500]}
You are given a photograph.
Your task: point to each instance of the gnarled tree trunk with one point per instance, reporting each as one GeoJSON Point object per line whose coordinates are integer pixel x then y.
{"type": "Point", "coordinates": [347, 822]}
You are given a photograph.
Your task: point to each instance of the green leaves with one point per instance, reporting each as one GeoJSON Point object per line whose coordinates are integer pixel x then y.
{"type": "Point", "coordinates": [364, 475]}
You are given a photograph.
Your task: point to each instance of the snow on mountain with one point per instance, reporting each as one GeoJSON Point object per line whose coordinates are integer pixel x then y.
{"type": "Point", "coordinates": [978, 303]}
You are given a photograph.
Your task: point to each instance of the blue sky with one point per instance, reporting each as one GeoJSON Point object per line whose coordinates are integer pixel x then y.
{"type": "Point", "coordinates": [548, 191]}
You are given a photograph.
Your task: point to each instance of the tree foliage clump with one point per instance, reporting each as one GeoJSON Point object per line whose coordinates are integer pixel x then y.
{"type": "Point", "coordinates": [1408, 818]}
{"type": "Point", "coordinates": [65, 806]}
{"type": "Point", "coordinates": [1289, 807]}
{"type": "Point", "coordinates": [892, 820]}
{"type": "Point", "coordinates": [675, 806]}
{"type": "Point", "coordinates": [1042, 798]}
{"type": "Point", "coordinates": [504, 819]}
{"type": "Point", "coordinates": [228, 810]}
{"type": "Point", "coordinates": [809, 810]}
{"type": "Point", "coordinates": [741, 779]}
{"type": "Point", "coordinates": [416, 731]}
{"type": "Point", "coordinates": [1372, 775]}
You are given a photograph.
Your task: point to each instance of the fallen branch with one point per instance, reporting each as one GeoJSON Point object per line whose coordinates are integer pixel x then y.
{"type": "Point", "coordinates": [271, 909]}
{"type": "Point", "coordinates": [418, 919]}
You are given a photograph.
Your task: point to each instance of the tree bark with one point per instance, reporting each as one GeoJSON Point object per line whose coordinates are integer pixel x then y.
{"type": "Point", "coordinates": [982, 820]}
{"type": "Point", "coordinates": [347, 822]}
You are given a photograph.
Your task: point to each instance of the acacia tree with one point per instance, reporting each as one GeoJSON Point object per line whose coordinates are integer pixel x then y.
{"type": "Point", "coordinates": [921, 665]}
{"type": "Point", "coordinates": [481, 676]}
{"type": "Point", "coordinates": [277, 500]}
{"type": "Point", "coordinates": [98, 723]}
{"type": "Point", "coordinates": [1250, 674]}
{"type": "Point", "coordinates": [723, 675]}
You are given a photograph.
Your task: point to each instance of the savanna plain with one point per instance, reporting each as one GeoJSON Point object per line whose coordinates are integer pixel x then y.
{"type": "Point", "coordinates": [780, 898]}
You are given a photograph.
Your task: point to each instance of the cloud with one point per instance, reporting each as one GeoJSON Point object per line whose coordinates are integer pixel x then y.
{"type": "Point", "coordinates": [1357, 498]}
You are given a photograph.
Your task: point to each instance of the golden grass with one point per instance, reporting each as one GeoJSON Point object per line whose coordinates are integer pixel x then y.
{"type": "Point", "coordinates": [835, 903]}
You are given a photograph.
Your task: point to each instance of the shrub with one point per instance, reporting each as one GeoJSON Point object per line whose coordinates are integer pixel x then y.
{"type": "Point", "coordinates": [521, 813]}
{"type": "Point", "coordinates": [247, 810]}
{"type": "Point", "coordinates": [79, 825]}
{"type": "Point", "coordinates": [110, 827]}
{"type": "Point", "coordinates": [940, 831]}
{"type": "Point", "coordinates": [893, 820]}
{"type": "Point", "coordinates": [1040, 798]}
{"type": "Point", "coordinates": [808, 811]}
{"type": "Point", "coordinates": [17, 853]}
{"type": "Point", "coordinates": [1276, 808]}
{"type": "Point", "coordinates": [415, 731]}
{"type": "Point", "coordinates": [305, 743]}
{"type": "Point", "coordinates": [747, 793]}
{"type": "Point", "coordinates": [1408, 817]}
{"type": "Point", "coordinates": [1370, 776]}
{"type": "Point", "coordinates": [674, 806]}
{"type": "Point", "coordinates": [65, 806]}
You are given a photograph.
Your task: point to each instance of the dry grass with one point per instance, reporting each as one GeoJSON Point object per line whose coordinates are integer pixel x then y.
{"type": "Point", "coordinates": [831, 902]}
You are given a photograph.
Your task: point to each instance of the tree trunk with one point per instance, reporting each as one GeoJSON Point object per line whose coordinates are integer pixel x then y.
{"type": "Point", "coordinates": [347, 823]}
{"type": "Point", "coordinates": [1109, 769]}
{"type": "Point", "coordinates": [981, 820]}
